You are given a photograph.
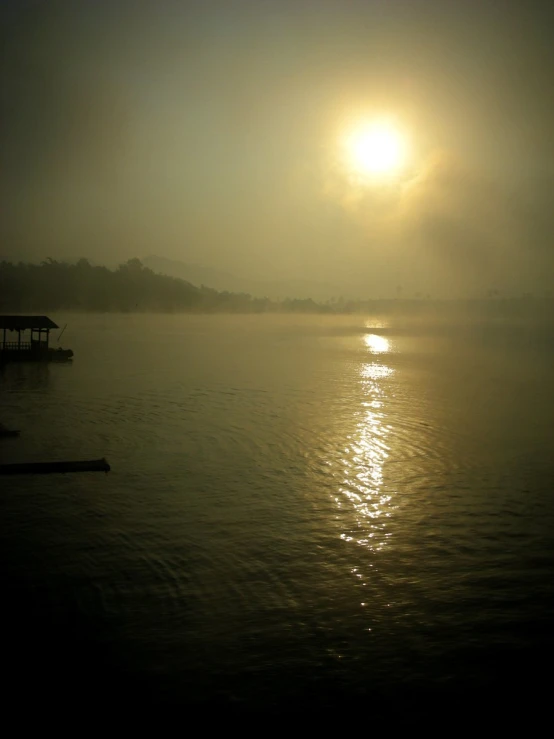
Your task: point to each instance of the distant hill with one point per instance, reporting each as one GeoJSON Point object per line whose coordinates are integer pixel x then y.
{"type": "Point", "coordinates": [195, 274]}
{"type": "Point", "coordinates": [221, 280]}
{"type": "Point", "coordinates": [131, 287]}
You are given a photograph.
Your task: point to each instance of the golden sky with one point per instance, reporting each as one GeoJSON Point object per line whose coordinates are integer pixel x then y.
{"type": "Point", "coordinates": [213, 132]}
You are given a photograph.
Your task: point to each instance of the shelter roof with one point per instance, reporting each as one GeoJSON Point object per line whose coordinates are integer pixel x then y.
{"type": "Point", "coordinates": [21, 323]}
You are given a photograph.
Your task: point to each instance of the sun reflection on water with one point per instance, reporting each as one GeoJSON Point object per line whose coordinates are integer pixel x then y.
{"type": "Point", "coordinates": [363, 490]}
{"type": "Point", "coordinates": [377, 344]}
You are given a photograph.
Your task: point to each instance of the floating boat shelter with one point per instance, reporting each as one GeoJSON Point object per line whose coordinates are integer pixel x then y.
{"type": "Point", "coordinates": [33, 347]}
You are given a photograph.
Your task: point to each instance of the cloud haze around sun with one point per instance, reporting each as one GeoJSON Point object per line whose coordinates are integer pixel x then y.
{"type": "Point", "coordinates": [215, 138]}
{"type": "Point", "coordinates": [442, 216]}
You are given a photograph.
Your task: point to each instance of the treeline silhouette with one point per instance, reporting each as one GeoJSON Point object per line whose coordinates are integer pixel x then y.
{"type": "Point", "coordinates": [54, 285]}
{"type": "Point", "coordinates": [132, 287]}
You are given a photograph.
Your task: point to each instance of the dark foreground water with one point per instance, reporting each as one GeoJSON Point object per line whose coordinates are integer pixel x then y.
{"type": "Point", "coordinates": [302, 514]}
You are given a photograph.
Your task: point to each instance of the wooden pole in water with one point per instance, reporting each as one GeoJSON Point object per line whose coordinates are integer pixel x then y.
{"type": "Point", "coordinates": [44, 468]}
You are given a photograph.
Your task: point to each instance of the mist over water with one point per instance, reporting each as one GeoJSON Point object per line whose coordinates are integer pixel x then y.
{"type": "Point", "coordinates": [301, 512]}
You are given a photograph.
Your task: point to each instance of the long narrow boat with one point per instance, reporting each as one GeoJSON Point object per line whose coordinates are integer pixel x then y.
{"type": "Point", "coordinates": [44, 468]}
{"type": "Point", "coordinates": [7, 433]}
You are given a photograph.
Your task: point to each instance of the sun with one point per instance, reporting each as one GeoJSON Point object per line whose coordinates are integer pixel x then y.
{"type": "Point", "coordinates": [375, 149]}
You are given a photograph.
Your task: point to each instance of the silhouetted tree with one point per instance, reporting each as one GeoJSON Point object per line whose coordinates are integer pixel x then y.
{"type": "Point", "coordinates": [54, 285]}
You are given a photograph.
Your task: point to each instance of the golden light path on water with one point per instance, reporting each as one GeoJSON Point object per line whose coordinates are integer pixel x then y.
{"type": "Point", "coordinates": [363, 488]}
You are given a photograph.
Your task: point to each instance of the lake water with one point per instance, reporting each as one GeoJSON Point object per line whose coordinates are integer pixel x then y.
{"type": "Point", "coordinates": [302, 513]}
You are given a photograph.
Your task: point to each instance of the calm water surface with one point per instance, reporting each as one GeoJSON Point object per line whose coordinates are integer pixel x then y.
{"type": "Point", "coordinates": [301, 512]}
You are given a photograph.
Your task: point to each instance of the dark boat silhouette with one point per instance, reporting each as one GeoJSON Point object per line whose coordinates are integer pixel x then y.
{"type": "Point", "coordinates": [6, 432]}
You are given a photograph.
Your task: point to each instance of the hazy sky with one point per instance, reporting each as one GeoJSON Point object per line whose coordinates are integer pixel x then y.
{"type": "Point", "coordinates": [209, 131]}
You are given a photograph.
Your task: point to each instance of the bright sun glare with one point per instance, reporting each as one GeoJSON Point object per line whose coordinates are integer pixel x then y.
{"type": "Point", "coordinates": [376, 149]}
